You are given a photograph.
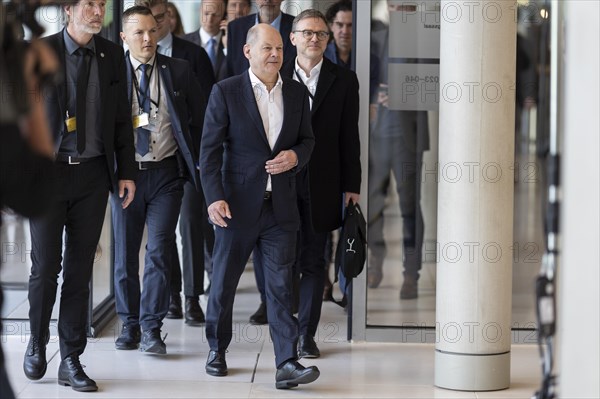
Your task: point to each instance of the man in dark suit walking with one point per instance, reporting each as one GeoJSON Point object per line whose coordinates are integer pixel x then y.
{"type": "Point", "coordinates": [166, 105]}
{"type": "Point", "coordinates": [209, 35]}
{"type": "Point", "coordinates": [269, 12]}
{"type": "Point", "coordinates": [257, 135]}
{"type": "Point", "coordinates": [333, 175]}
{"type": "Point", "coordinates": [192, 226]}
{"type": "Point", "coordinates": [90, 137]}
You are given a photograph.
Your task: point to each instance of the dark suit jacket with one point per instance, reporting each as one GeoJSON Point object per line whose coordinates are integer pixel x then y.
{"type": "Point", "coordinates": [115, 112]}
{"type": "Point", "coordinates": [236, 38]}
{"type": "Point", "coordinates": [235, 149]}
{"type": "Point", "coordinates": [220, 69]}
{"type": "Point", "coordinates": [199, 62]}
{"type": "Point", "coordinates": [334, 166]}
{"type": "Point", "coordinates": [186, 108]}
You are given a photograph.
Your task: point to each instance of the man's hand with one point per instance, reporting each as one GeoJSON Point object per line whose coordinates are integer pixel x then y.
{"type": "Point", "coordinates": [223, 27]}
{"type": "Point", "coordinates": [351, 196]}
{"type": "Point", "coordinates": [217, 211]}
{"type": "Point", "coordinates": [283, 162]}
{"type": "Point", "coordinates": [128, 185]}
{"type": "Point", "coordinates": [383, 95]}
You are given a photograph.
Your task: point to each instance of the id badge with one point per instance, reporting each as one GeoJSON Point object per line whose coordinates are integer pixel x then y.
{"type": "Point", "coordinates": [71, 124]}
{"type": "Point", "coordinates": [140, 120]}
{"type": "Point", "coordinates": [154, 123]}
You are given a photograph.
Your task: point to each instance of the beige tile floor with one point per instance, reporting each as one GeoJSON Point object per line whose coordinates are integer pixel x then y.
{"type": "Point", "coordinates": [348, 370]}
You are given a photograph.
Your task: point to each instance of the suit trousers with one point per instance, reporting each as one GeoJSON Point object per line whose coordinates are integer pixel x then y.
{"type": "Point", "coordinates": [81, 198]}
{"type": "Point", "coordinates": [156, 205]}
{"type": "Point", "coordinates": [195, 234]}
{"type": "Point", "coordinates": [277, 249]}
{"type": "Point", "coordinates": [389, 154]}
{"type": "Point", "coordinates": [312, 266]}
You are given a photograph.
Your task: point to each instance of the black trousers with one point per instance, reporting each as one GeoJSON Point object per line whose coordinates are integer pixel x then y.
{"type": "Point", "coordinates": [197, 238]}
{"type": "Point", "coordinates": [82, 193]}
{"type": "Point", "coordinates": [277, 249]}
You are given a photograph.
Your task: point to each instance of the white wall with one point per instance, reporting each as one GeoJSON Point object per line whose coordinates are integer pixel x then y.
{"type": "Point", "coordinates": [578, 313]}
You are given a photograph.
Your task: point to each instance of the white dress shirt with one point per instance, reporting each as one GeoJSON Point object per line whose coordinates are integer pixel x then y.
{"type": "Point", "coordinates": [205, 37]}
{"type": "Point", "coordinates": [162, 142]}
{"type": "Point", "coordinates": [311, 80]}
{"type": "Point", "coordinates": [165, 46]}
{"type": "Point", "coordinates": [270, 107]}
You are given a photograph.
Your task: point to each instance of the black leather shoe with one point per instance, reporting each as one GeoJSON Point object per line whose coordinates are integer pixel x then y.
{"type": "Point", "coordinates": [374, 277]}
{"type": "Point", "coordinates": [292, 373]}
{"type": "Point", "coordinates": [175, 311]}
{"type": "Point", "coordinates": [193, 312]}
{"type": "Point", "coordinates": [328, 290]}
{"type": "Point", "coordinates": [34, 363]}
{"type": "Point", "coordinates": [152, 343]}
{"type": "Point", "coordinates": [410, 288]}
{"type": "Point", "coordinates": [70, 373]}
{"type": "Point", "coordinates": [307, 347]}
{"type": "Point", "coordinates": [129, 339]}
{"type": "Point", "coordinates": [260, 316]}
{"type": "Point", "coordinates": [216, 364]}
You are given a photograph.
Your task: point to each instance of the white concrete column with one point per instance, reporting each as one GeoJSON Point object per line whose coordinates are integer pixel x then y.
{"type": "Point", "coordinates": [475, 195]}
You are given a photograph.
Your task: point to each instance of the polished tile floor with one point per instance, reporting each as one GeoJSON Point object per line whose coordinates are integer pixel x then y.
{"type": "Point", "coordinates": [348, 370]}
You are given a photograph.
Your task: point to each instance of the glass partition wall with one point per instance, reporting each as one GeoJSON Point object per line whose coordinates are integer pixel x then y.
{"type": "Point", "coordinates": [397, 44]}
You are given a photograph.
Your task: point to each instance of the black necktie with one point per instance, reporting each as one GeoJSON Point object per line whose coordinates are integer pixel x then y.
{"type": "Point", "coordinates": [143, 135]}
{"type": "Point", "coordinates": [83, 74]}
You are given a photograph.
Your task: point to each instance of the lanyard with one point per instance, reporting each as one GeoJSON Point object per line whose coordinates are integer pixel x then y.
{"type": "Point", "coordinates": [301, 81]}
{"type": "Point", "coordinates": [137, 87]}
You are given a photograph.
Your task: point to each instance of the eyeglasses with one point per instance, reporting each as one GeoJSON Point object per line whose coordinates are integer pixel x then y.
{"type": "Point", "coordinates": [308, 34]}
{"type": "Point", "coordinates": [160, 17]}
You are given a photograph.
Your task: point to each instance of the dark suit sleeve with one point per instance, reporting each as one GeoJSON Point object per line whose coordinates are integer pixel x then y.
{"type": "Point", "coordinates": [124, 148]}
{"type": "Point", "coordinates": [214, 134]}
{"type": "Point", "coordinates": [196, 104]}
{"type": "Point", "coordinates": [204, 70]}
{"type": "Point", "coordinates": [350, 138]}
{"type": "Point", "coordinates": [306, 138]}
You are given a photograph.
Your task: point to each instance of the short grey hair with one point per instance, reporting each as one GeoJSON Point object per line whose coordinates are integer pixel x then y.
{"type": "Point", "coordinates": [310, 13]}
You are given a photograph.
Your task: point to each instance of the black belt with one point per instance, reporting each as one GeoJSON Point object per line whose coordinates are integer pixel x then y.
{"type": "Point", "coordinates": [267, 195]}
{"type": "Point", "coordinates": [74, 160]}
{"type": "Point", "coordinates": [170, 162]}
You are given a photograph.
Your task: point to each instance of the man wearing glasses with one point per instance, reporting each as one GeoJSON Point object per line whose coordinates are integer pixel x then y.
{"type": "Point", "coordinates": [334, 167]}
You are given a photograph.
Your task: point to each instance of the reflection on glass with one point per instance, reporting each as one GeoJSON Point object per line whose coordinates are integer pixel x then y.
{"type": "Point", "coordinates": [404, 171]}
{"type": "Point", "coordinates": [102, 276]}
{"type": "Point", "coordinates": [15, 248]}
{"type": "Point", "coordinates": [400, 135]}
